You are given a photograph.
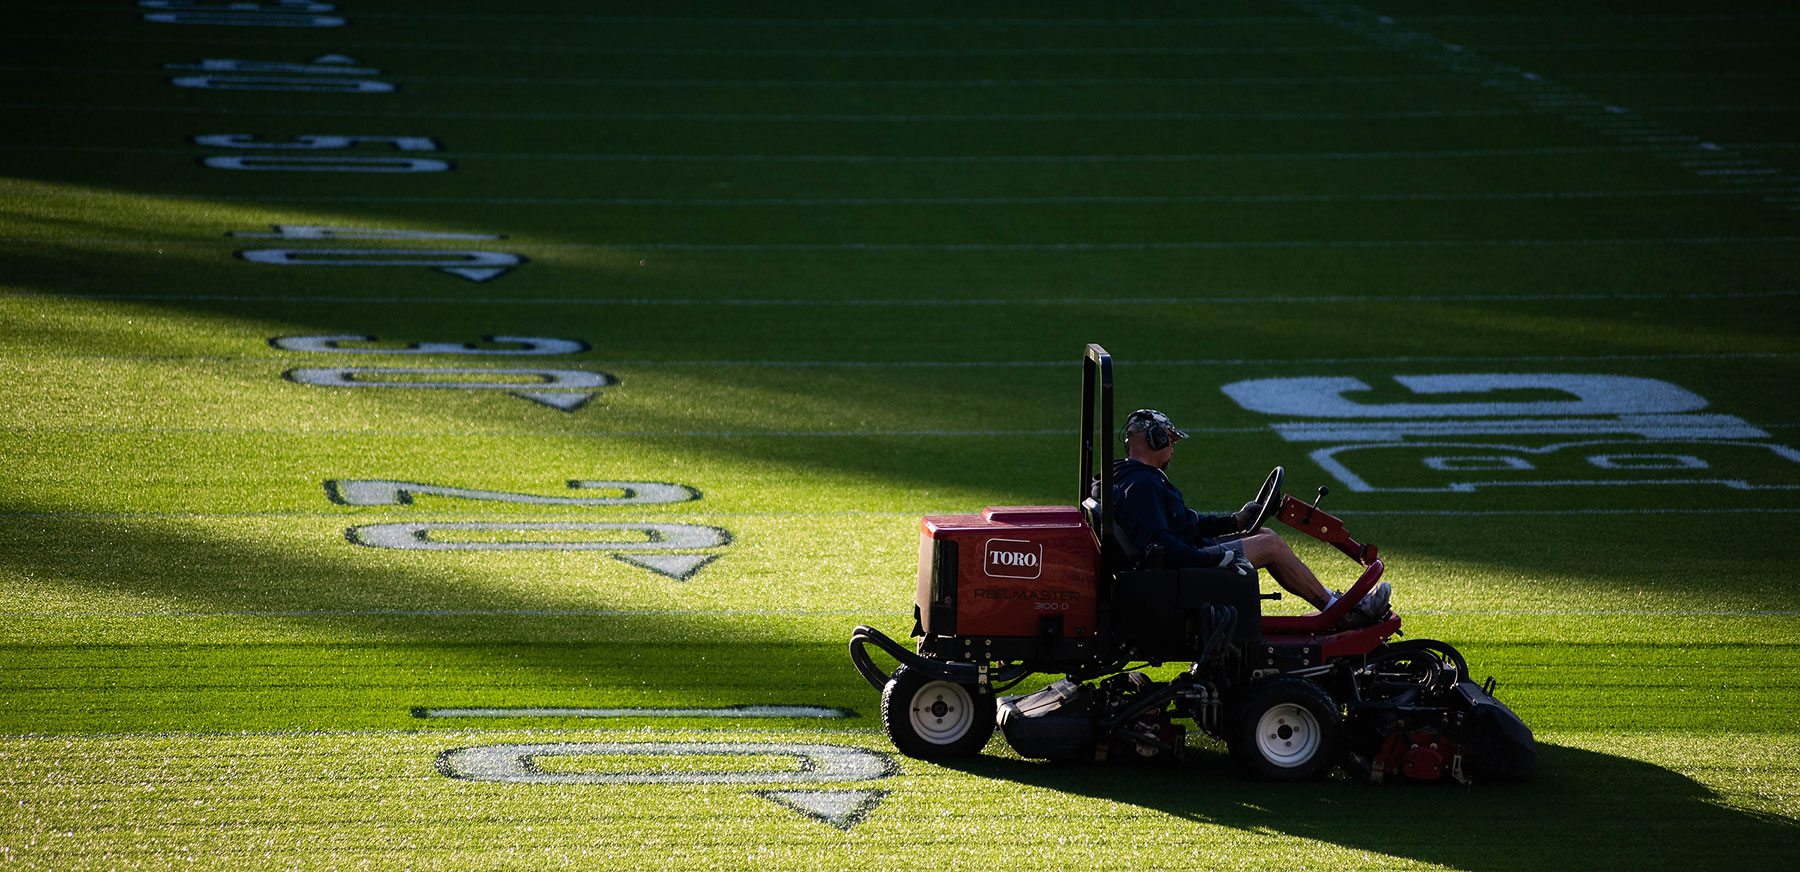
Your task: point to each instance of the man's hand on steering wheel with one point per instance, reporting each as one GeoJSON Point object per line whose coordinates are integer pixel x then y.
{"type": "Point", "coordinates": [1257, 512]}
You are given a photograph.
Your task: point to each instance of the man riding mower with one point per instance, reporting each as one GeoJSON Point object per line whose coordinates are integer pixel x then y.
{"type": "Point", "coordinates": [1064, 590]}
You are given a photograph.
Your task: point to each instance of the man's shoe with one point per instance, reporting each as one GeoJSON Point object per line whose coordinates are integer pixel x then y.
{"type": "Point", "coordinates": [1374, 607]}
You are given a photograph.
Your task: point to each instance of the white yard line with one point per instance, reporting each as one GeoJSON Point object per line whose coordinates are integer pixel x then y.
{"type": "Point", "coordinates": [1541, 93]}
{"type": "Point", "coordinates": [732, 712]}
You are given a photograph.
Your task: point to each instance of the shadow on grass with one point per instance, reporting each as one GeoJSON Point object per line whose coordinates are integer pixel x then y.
{"type": "Point", "coordinates": [1584, 809]}
{"type": "Point", "coordinates": [161, 625]}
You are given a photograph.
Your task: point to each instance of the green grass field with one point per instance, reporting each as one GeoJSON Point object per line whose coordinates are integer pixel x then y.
{"type": "Point", "coordinates": [800, 273]}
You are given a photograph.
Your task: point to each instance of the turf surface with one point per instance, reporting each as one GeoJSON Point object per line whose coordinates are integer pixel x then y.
{"type": "Point", "coordinates": [837, 266]}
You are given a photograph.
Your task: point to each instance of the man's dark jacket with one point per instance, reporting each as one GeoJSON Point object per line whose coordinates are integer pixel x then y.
{"type": "Point", "coordinates": [1148, 510]}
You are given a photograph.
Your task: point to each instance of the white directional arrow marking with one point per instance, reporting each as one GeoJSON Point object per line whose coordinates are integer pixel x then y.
{"type": "Point", "coordinates": [840, 808]}
{"type": "Point", "coordinates": [565, 402]}
{"type": "Point", "coordinates": [477, 274]}
{"type": "Point", "coordinates": [680, 567]}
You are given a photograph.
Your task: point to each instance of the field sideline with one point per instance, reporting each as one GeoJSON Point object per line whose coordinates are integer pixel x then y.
{"type": "Point", "coordinates": [463, 437]}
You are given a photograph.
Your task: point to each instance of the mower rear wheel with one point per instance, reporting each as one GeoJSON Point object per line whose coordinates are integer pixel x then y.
{"type": "Point", "coordinates": [930, 718]}
{"type": "Point", "coordinates": [1287, 729]}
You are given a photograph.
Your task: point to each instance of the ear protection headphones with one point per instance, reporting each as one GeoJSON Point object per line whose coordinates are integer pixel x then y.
{"type": "Point", "coordinates": [1156, 435]}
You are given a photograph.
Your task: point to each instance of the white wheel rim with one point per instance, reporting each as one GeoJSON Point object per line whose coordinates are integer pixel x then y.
{"type": "Point", "coordinates": [1287, 735]}
{"type": "Point", "coordinates": [942, 712]}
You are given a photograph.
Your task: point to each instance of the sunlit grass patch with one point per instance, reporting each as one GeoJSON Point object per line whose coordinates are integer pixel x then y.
{"type": "Point", "coordinates": [126, 799]}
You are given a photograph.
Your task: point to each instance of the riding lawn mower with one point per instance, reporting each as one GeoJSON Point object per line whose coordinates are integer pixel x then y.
{"type": "Point", "coordinates": [1059, 590]}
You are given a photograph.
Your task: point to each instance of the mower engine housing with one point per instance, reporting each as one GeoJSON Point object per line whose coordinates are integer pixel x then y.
{"type": "Point", "coordinates": [1011, 583]}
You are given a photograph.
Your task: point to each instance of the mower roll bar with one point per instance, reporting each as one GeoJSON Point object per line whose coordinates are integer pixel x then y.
{"type": "Point", "coordinates": [1096, 373]}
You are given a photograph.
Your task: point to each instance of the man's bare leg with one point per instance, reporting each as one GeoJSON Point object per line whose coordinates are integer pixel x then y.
{"type": "Point", "coordinates": [1266, 550]}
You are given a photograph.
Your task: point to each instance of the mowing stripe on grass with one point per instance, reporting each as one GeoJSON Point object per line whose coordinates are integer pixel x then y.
{"type": "Point", "coordinates": [885, 22]}
{"type": "Point", "coordinates": [811, 53]}
{"type": "Point", "coordinates": [881, 22]}
{"type": "Point", "coordinates": [701, 613]}
{"type": "Point", "coordinates": [469, 730]}
{"type": "Point", "coordinates": [837, 84]}
{"type": "Point", "coordinates": [1683, 510]}
{"type": "Point", "coordinates": [1629, 46]}
{"type": "Point", "coordinates": [459, 613]}
{"type": "Point", "coordinates": [444, 512]}
{"type": "Point", "coordinates": [1197, 21]}
{"type": "Point", "coordinates": [984, 117]}
{"type": "Point", "coordinates": [891, 301]}
{"type": "Point", "coordinates": [989, 364]}
{"type": "Point", "coordinates": [1498, 513]}
{"type": "Point", "coordinates": [1020, 83]}
{"type": "Point", "coordinates": [1610, 613]}
{"type": "Point", "coordinates": [1000, 117]}
{"type": "Point", "coordinates": [741, 711]}
{"type": "Point", "coordinates": [1607, 17]}
{"type": "Point", "coordinates": [781, 21]}
{"type": "Point", "coordinates": [983, 83]}
{"type": "Point", "coordinates": [1046, 200]}
{"type": "Point", "coordinates": [897, 364]}
{"type": "Point", "coordinates": [539, 49]}
{"type": "Point", "coordinates": [1189, 245]}
{"type": "Point", "coordinates": [1197, 157]}
{"type": "Point", "coordinates": [1180, 245]}
{"type": "Point", "coordinates": [568, 434]}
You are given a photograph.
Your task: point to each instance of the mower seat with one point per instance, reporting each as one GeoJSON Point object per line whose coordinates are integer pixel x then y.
{"type": "Point", "coordinates": [1331, 619]}
{"type": "Point", "coordinates": [1167, 614]}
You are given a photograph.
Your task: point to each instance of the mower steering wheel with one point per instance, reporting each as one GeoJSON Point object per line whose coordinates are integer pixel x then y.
{"type": "Point", "coordinates": [1269, 498]}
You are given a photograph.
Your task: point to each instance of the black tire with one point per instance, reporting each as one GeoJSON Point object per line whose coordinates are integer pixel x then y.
{"type": "Point", "coordinates": [1286, 729]}
{"type": "Point", "coordinates": [930, 718]}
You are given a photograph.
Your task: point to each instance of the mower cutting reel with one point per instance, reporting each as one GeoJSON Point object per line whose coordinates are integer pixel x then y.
{"type": "Point", "coordinates": [1017, 591]}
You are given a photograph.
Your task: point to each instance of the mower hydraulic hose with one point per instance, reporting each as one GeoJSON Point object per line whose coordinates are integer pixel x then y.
{"type": "Point", "coordinates": [1223, 623]}
{"type": "Point", "coordinates": [960, 673]}
{"type": "Point", "coordinates": [860, 658]}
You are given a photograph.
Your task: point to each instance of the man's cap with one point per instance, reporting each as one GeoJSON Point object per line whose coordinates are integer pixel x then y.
{"type": "Point", "coordinates": [1144, 419]}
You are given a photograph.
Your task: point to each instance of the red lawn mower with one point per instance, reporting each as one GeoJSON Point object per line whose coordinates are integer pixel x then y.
{"type": "Point", "coordinates": [1018, 591]}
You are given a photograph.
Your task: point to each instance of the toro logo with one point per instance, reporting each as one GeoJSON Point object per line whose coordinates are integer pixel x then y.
{"type": "Point", "coordinates": [1013, 558]}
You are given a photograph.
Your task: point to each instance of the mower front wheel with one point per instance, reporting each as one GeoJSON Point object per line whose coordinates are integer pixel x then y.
{"type": "Point", "coordinates": [1287, 729]}
{"type": "Point", "coordinates": [930, 718]}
